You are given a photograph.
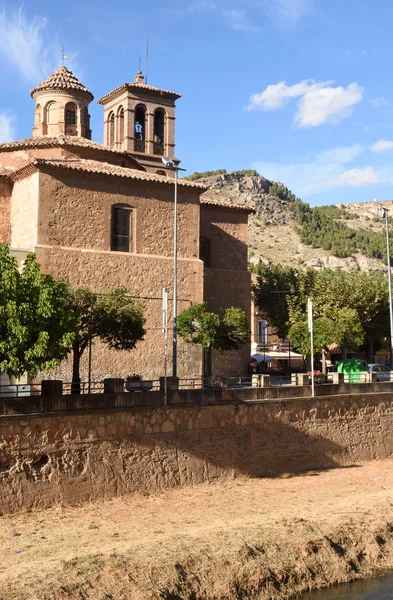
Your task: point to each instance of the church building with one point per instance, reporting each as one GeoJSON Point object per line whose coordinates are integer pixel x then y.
{"type": "Point", "coordinates": [101, 216]}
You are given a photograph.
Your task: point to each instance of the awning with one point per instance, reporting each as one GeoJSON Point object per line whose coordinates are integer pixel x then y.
{"type": "Point", "coordinates": [260, 358]}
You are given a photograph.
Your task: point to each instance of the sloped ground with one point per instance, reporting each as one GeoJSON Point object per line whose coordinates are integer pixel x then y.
{"type": "Point", "coordinates": [265, 538]}
{"type": "Point", "coordinates": [273, 234]}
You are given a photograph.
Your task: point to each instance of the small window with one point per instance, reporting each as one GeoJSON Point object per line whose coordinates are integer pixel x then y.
{"type": "Point", "coordinates": [262, 332]}
{"type": "Point", "coordinates": [121, 228]}
{"type": "Point", "coordinates": [70, 117]}
{"type": "Point", "coordinates": [159, 120]}
{"type": "Point", "coordinates": [205, 251]}
{"type": "Point", "coordinates": [140, 119]}
{"type": "Point", "coordinates": [120, 127]}
{"type": "Point", "coordinates": [111, 130]}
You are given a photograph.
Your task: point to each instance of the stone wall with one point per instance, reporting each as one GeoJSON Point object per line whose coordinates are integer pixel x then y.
{"type": "Point", "coordinates": [5, 205]}
{"type": "Point", "coordinates": [73, 457]}
{"type": "Point", "coordinates": [227, 281]}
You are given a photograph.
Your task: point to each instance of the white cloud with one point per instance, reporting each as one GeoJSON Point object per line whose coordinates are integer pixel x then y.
{"type": "Point", "coordinates": [238, 19]}
{"type": "Point", "coordinates": [323, 171]}
{"type": "Point", "coordinates": [319, 102]}
{"type": "Point", "coordinates": [327, 105]}
{"type": "Point", "coordinates": [382, 146]}
{"type": "Point", "coordinates": [355, 178]}
{"type": "Point", "coordinates": [288, 12]}
{"type": "Point", "coordinates": [248, 15]}
{"type": "Point", "coordinates": [22, 45]}
{"type": "Point", "coordinates": [6, 128]}
{"type": "Point", "coordinates": [379, 101]}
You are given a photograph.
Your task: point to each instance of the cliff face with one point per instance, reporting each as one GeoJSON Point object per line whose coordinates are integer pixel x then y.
{"type": "Point", "coordinates": [274, 231]}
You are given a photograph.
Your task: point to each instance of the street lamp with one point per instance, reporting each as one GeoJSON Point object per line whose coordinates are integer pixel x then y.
{"type": "Point", "coordinates": [170, 164]}
{"type": "Point", "coordinates": [385, 215]}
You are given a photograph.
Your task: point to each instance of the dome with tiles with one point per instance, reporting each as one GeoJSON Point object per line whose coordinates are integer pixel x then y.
{"type": "Point", "coordinates": [62, 79]}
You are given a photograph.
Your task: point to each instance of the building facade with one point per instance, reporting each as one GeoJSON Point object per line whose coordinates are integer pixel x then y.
{"type": "Point", "coordinates": [101, 216]}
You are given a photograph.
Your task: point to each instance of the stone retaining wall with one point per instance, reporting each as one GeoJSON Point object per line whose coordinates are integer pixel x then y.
{"type": "Point", "coordinates": [73, 457]}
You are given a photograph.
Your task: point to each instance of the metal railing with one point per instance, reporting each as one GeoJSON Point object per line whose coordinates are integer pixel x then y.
{"type": "Point", "coordinates": [189, 383]}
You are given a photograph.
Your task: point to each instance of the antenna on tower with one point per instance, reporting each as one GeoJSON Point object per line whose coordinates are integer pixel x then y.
{"type": "Point", "coordinates": [147, 57]}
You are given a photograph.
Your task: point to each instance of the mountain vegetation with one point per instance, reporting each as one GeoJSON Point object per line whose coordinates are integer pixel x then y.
{"type": "Point", "coordinates": [284, 223]}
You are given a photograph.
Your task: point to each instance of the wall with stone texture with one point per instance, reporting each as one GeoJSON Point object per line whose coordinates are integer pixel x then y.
{"type": "Point", "coordinates": [227, 281]}
{"type": "Point", "coordinates": [5, 208]}
{"type": "Point", "coordinates": [74, 242]}
{"type": "Point", "coordinates": [74, 457]}
{"type": "Point", "coordinates": [24, 213]}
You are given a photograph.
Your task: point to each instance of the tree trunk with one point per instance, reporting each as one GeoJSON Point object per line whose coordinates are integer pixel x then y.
{"type": "Point", "coordinates": [207, 363]}
{"type": "Point", "coordinates": [76, 379]}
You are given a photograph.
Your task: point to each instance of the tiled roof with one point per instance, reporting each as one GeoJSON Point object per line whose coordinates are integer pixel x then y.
{"type": "Point", "coordinates": [95, 166]}
{"type": "Point", "coordinates": [61, 140]}
{"type": "Point", "coordinates": [222, 203]}
{"type": "Point", "coordinates": [137, 86]}
{"type": "Point", "coordinates": [62, 79]}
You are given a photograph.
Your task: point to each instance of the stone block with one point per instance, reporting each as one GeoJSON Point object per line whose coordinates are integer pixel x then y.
{"type": "Point", "coordinates": [51, 387]}
{"type": "Point", "coordinates": [338, 378]}
{"type": "Point", "coordinates": [265, 381]}
{"type": "Point", "coordinates": [303, 379]}
{"type": "Point", "coordinates": [113, 386]}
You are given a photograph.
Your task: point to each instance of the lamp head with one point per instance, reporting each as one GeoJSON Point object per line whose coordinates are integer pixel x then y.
{"type": "Point", "coordinates": [167, 161]}
{"type": "Point", "coordinates": [384, 212]}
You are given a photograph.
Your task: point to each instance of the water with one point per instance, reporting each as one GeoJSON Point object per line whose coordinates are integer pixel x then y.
{"type": "Point", "coordinates": [374, 589]}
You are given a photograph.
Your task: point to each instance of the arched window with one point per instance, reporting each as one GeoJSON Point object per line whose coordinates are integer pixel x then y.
{"type": "Point", "coordinates": [111, 129]}
{"type": "Point", "coordinates": [205, 251]}
{"type": "Point", "coordinates": [51, 113]}
{"type": "Point", "coordinates": [140, 129]}
{"type": "Point", "coordinates": [70, 113]}
{"type": "Point", "coordinates": [160, 172]}
{"type": "Point", "coordinates": [121, 228]}
{"type": "Point", "coordinates": [120, 124]}
{"type": "Point", "coordinates": [37, 115]}
{"type": "Point", "coordinates": [159, 121]}
{"type": "Point", "coordinates": [140, 123]}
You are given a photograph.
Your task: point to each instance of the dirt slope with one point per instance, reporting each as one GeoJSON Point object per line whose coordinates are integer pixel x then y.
{"type": "Point", "coordinates": [266, 538]}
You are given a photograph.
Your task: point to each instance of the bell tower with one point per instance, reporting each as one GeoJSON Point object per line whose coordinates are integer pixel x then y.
{"type": "Point", "coordinates": [61, 106]}
{"type": "Point", "coordinates": [140, 119]}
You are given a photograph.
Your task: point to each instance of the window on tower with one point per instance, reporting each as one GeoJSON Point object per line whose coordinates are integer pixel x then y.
{"type": "Point", "coordinates": [140, 128]}
{"type": "Point", "coordinates": [111, 129]}
{"type": "Point", "coordinates": [159, 127]}
{"type": "Point", "coordinates": [70, 114]}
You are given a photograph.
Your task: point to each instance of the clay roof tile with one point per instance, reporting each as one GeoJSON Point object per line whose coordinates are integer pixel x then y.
{"type": "Point", "coordinates": [62, 79]}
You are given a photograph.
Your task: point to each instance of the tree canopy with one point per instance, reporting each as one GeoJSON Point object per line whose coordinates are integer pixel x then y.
{"type": "Point", "coordinates": [37, 324]}
{"type": "Point", "coordinates": [114, 318]}
{"type": "Point", "coordinates": [355, 303]}
{"type": "Point", "coordinates": [225, 331]}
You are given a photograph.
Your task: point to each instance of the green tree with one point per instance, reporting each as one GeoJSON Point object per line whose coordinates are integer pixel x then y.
{"type": "Point", "coordinates": [37, 325]}
{"type": "Point", "coordinates": [223, 332]}
{"type": "Point", "coordinates": [274, 284]}
{"type": "Point", "coordinates": [114, 318]}
{"type": "Point", "coordinates": [343, 328]}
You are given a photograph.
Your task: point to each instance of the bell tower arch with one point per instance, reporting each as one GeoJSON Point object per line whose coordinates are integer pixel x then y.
{"type": "Point", "coordinates": [148, 121]}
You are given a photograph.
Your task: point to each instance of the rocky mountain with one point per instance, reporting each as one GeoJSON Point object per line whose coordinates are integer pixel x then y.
{"type": "Point", "coordinates": [282, 224]}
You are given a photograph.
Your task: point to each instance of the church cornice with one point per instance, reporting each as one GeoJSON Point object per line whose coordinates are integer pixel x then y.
{"type": "Point", "coordinates": [139, 87]}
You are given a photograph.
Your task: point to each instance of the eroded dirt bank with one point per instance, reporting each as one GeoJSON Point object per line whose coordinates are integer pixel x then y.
{"type": "Point", "coordinates": [260, 538]}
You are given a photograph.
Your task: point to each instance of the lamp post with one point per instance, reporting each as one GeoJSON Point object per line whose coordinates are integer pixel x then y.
{"type": "Point", "coordinates": [385, 215]}
{"type": "Point", "coordinates": [169, 163]}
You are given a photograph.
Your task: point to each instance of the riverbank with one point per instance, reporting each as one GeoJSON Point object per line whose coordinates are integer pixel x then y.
{"type": "Point", "coordinates": [247, 538]}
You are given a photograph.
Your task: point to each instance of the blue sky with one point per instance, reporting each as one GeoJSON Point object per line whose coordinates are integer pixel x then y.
{"type": "Point", "coordinates": [301, 90]}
